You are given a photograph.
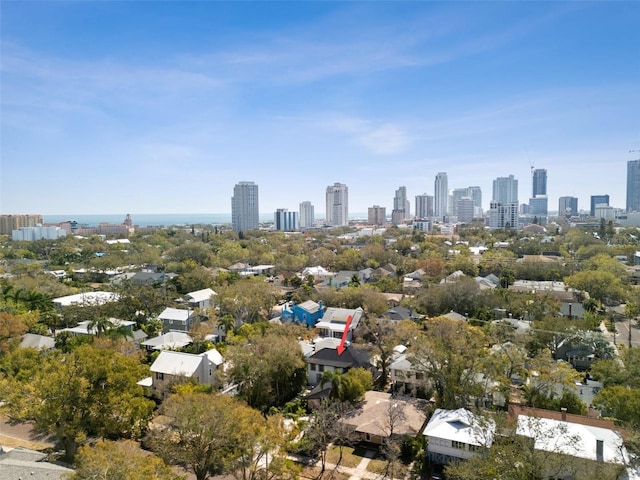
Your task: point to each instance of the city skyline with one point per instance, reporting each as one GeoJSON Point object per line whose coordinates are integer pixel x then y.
{"type": "Point", "coordinates": [100, 116]}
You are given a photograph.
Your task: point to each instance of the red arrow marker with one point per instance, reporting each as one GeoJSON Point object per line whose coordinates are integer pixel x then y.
{"type": "Point", "coordinates": [341, 347]}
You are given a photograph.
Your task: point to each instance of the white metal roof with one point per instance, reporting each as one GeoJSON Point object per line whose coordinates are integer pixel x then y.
{"type": "Point", "coordinates": [572, 438]}
{"type": "Point", "coordinates": [201, 295]}
{"type": "Point", "coordinates": [460, 425]}
{"type": "Point", "coordinates": [176, 363]}
{"type": "Point", "coordinates": [87, 298]}
{"type": "Point", "coordinates": [168, 340]}
{"type": "Point", "coordinates": [174, 314]}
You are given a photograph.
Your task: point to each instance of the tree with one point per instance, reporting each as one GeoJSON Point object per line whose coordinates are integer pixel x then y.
{"type": "Point", "coordinates": [324, 429]}
{"type": "Point", "coordinates": [450, 355]}
{"type": "Point", "coordinates": [125, 460]}
{"type": "Point", "coordinates": [86, 392]}
{"type": "Point", "coordinates": [204, 433]}
{"type": "Point", "coordinates": [11, 328]}
{"type": "Point", "coordinates": [601, 285]}
{"type": "Point", "coordinates": [270, 369]}
{"type": "Point", "coordinates": [348, 387]}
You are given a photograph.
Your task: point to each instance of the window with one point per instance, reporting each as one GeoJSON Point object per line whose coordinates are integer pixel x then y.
{"type": "Point", "coordinates": [458, 445]}
{"type": "Point", "coordinates": [321, 368]}
{"type": "Point", "coordinates": [475, 448]}
{"type": "Point", "coordinates": [312, 366]}
{"type": "Point", "coordinates": [159, 376]}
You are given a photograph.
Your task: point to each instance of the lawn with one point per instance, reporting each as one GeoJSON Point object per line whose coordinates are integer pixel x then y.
{"type": "Point", "coordinates": [379, 467]}
{"type": "Point", "coordinates": [349, 457]}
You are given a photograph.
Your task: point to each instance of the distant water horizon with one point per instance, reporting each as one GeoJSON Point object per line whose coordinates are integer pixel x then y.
{"type": "Point", "coordinates": [158, 219]}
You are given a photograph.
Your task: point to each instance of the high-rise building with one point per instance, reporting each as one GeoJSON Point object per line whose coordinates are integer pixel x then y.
{"type": "Point", "coordinates": [567, 206]}
{"type": "Point", "coordinates": [244, 207]}
{"type": "Point", "coordinates": [441, 195]}
{"type": "Point", "coordinates": [337, 212]}
{"type": "Point", "coordinates": [598, 200]}
{"type": "Point", "coordinates": [456, 195]}
{"type": "Point", "coordinates": [476, 195]}
{"type": "Point", "coordinates": [503, 215]}
{"type": "Point", "coordinates": [633, 186]}
{"type": "Point", "coordinates": [307, 215]}
{"type": "Point", "coordinates": [539, 182]}
{"type": "Point", "coordinates": [539, 206]}
{"type": "Point", "coordinates": [377, 215]}
{"type": "Point", "coordinates": [465, 210]}
{"type": "Point", "coordinates": [285, 221]}
{"type": "Point", "coordinates": [401, 205]}
{"type": "Point", "coordinates": [424, 206]}
{"type": "Point", "coordinates": [505, 190]}
{"type": "Point", "coordinates": [9, 223]}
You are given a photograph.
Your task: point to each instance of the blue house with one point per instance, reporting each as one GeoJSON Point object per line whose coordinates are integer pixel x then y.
{"type": "Point", "coordinates": [308, 312]}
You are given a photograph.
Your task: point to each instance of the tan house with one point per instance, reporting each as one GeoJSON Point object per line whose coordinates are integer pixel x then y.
{"type": "Point", "coordinates": [381, 415]}
{"type": "Point", "coordinates": [171, 368]}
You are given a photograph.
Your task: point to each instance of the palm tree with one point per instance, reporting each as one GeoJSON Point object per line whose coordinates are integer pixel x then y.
{"type": "Point", "coordinates": [335, 379]}
{"type": "Point", "coordinates": [100, 325]}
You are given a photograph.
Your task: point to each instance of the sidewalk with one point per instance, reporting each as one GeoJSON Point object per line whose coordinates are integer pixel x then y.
{"type": "Point", "coordinates": [356, 473]}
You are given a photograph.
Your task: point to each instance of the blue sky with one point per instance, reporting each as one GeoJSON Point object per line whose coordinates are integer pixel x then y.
{"type": "Point", "coordinates": [161, 107]}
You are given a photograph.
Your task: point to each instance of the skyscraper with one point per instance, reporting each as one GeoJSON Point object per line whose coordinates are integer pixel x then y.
{"type": "Point", "coordinates": [284, 220]}
{"type": "Point", "coordinates": [568, 206]}
{"type": "Point", "coordinates": [424, 206]}
{"type": "Point", "coordinates": [401, 204]}
{"type": "Point", "coordinates": [476, 195]}
{"type": "Point", "coordinates": [598, 200]}
{"type": "Point", "coordinates": [539, 182]}
{"type": "Point", "coordinates": [456, 195]}
{"type": "Point", "coordinates": [377, 215]}
{"type": "Point", "coordinates": [307, 215]}
{"type": "Point", "coordinates": [441, 195]}
{"type": "Point", "coordinates": [337, 212]}
{"type": "Point", "coordinates": [505, 190]}
{"type": "Point", "coordinates": [244, 207]}
{"type": "Point", "coordinates": [633, 186]}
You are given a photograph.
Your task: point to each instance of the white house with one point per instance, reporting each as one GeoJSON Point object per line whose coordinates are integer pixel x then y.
{"type": "Point", "coordinates": [453, 435]}
{"type": "Point", "coordinates": [200, 298]}
{"type": "Point", "coordinates": [86, 299]}
{"type": "Point", "coordinates": [334, 322]}
{"type": "Point", "coordinates": [83, 328]}
{"type": "Point", "coordinates": [177, 319]}
{"type": "Point", "coordinates": [173, 367]}
{"type": "Point", "coordinates": [168, 341]}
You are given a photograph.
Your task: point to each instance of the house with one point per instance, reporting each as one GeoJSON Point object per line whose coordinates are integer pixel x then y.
{"type": "Point", "coordinates": [144, 278]}
{"type": "Point", "coordinates": [39, 342]}
{"type": "Point", "coordinates": [341, 279]}
{"type": "Point", "coordinates": [404, 378]}
{"type": "Point", "coordinates": [308, 313]}
{"type": "Point", "coordinates": [328, 359]}
{"type": "Point", "coordinates": [380, 414]}
{"type": "Point", "coordinates": [86, 299]}
{"type": "Point", "coordinates": [593, 441]}
{"type": "Point", "coordinates": [177, 319]}
{"type": "Point", "coordinates": [454, 435]}
{"type": "Point", "coordinates": [200, 298]}
{"type": "Point", "coordinates": [168, 341]}
{"type": "Point", "coordinates": [84, 328]}
{"type": "Point", "coordinates": [388, 270]}
{"type": "Point", "coordinates": [24, 463]}
{"type": "Point", "coordinates": [456, 317]}
{"type": "Point", "coordinates": [319, 273]}
{"type": "Point", "coordinates": [175, 367]}
{"type": "Point", "coordinates": [398, 313]}
{"type": "Point", "coordinates": [334, 322]}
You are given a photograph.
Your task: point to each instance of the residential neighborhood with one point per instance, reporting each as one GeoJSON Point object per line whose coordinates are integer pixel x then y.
{"type": "Point", "coordinates": [431, 366]}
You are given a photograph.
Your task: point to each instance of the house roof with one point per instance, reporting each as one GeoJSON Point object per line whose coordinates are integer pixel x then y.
{"type": "Point", "coordinates": [454, 316]}
{"type": "Point", "coordinates": [200, 295]}
{"type": "Point", "coordinates": [551, 435]}
{"type": "Point", "coordinates": [398, 313]}
{"type": "Point", "coordinates": [176, 363]}
{"type": "Point", "coordinates": [351, 357]}
{"type": "Point", "coordinates": [460, 425]}
{"type": "Point", "coordinates": [213, 356]}
{"type": "Point", "coordinates": [83, 327]}
{"type": "Point", "coordinates": [310, 306]}
{"type": "Point", "coordinates": [24, 463]}
{"type": "Point", "coordinates": [340, 315]}
{"type": "Point", "coordinates": [168, 340]}
{"type": "Point", "coordinates": [175, 314]}
{"type": "Point", "coordinates": [39, 342]}
{"type": "Point", "coordinates": [87, 298]}
{"type": "Point", "coordinates": [375, 415]}
{"type": "Point", "coordinates": [401, 363]}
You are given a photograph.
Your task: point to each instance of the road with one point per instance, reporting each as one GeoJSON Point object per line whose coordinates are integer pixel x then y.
{"type": "Point", "coordinates": [622, 334]}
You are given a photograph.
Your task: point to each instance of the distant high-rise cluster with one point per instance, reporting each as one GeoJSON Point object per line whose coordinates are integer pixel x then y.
{"type": "Point", "coordinates": [244, 207]}
{"type": "Point", "coordinates": [9, 223]}
{"type": "Point", "coordinates": [337, 212]}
